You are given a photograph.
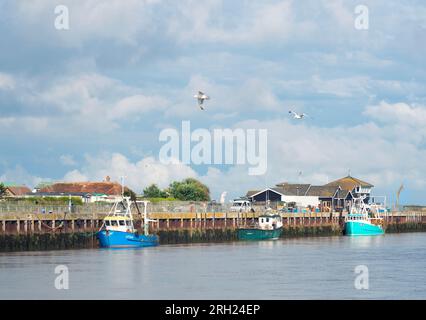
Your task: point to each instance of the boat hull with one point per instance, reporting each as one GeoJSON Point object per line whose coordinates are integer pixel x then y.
{"type": "Point", "coordinates": [119, 239]}
{"type": "Point", "coordinates": [362, 228]}
{"type": "Point", "coordinates": [259, 234]}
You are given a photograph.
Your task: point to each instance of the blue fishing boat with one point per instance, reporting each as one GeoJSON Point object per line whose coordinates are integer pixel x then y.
{"type": "Point", "coordinates": [118, 229]}
{"type": "Point", "coordinates": [362, 220]}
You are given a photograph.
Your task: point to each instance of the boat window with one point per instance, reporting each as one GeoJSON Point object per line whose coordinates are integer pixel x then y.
{"type": "Point", "coordinates": [114, 223]}
{"type": "Point", "coordinates": [121, 222]}
{"type": "Point", "coordinates": [107, 222]}
{"type": "Point", "coordinates": [128, 223]}
{"type": "Point", "coordinates": [267, 219]}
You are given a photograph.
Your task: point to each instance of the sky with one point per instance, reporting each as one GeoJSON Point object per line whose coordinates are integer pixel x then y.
{"type": "Point", "coordinates": [89, 101]}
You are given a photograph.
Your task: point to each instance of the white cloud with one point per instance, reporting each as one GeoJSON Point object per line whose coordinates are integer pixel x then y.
{"type": "Point", "coordinates": [136, 105]}
{"type": "Point", "coordinates": [67, 160]}
{"type": "Point", "coordinates": [249, 23]}
{"type": "Point", "coordinates": [79, 103]}
{"type": "Point", "coordinates": [93, 19]}
{"type": "Point", "coordinates": [398, 113]}
{"type": "Point", "coordinates": [20, 176]}
{"type": "Point", "coordinates": [75, 176]}
{"type": "Point", "coordinates": [7, 82]}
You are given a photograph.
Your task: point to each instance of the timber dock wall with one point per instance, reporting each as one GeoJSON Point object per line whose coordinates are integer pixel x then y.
{"type": "Point", "coordinates": [50, 231]}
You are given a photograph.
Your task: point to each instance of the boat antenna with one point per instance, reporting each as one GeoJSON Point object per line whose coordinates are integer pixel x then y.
{"type": "Point", "coordinates": [398, 193]}
{"type": "Point", "coordinates": [122, 185]}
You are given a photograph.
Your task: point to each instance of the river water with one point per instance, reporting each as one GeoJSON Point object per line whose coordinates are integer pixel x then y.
{"type": "Point", "coordinates": [392, 266]}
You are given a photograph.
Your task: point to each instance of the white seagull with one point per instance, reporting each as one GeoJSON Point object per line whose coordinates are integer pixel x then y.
{"type": "Point", "coordinates": [201, 97]}
{"type": "Point", "coordinates": [298, 115]}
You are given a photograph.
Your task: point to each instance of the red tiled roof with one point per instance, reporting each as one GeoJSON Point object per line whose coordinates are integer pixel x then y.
{"type": "Point", "coordinates": [18, 190]}
{"type": "Point", "coordinates": [108, 188]}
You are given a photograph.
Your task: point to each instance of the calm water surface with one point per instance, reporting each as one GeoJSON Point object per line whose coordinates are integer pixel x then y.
{"type": "Point", "coordinates": [304, 268]}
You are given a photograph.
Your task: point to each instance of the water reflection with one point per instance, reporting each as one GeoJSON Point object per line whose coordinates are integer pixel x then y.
{"type": "Point", "coordinates": [366, 241]}
{"type": "Point", "coordinates": [299, 268]}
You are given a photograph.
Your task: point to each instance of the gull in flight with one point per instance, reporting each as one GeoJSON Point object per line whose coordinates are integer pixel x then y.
{"type": "Point", "coordinates": [201, 97]}
{"type": "Point", "coordinates": [298, 115]}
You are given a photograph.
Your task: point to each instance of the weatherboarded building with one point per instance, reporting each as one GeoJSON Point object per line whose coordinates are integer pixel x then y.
{"type": "Point", "coordinates": [336, 195]}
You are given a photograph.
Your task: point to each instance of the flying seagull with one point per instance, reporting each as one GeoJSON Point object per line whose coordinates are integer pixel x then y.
{"type": "Point", "coordinates": [201, 97]}
{"type": "Point", "coordinates": [298, 115]}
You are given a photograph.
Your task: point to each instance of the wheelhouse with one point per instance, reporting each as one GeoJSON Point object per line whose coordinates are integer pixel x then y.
{"type": "Point", "coordinates": [270, 222]}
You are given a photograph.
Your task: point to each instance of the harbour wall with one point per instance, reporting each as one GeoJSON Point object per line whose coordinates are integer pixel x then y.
{"type": "Point", "coordinates": [26, 232]}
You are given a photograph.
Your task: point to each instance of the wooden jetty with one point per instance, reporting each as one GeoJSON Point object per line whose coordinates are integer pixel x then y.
{"type": "Point", "coordinates": [18, 223]}
{"type": "Point", "coordinates": [25, 230]}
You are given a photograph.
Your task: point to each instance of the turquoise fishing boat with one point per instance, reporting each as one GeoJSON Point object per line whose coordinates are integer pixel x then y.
{"type": "Point", "coordinates": [362, 220]}
{"type": "Point", "coordinates": [118, 229]}
{"type": "Point", "coordinates": [267, 227]}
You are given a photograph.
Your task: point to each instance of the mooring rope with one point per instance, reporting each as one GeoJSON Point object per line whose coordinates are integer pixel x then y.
{"type": "Point", "coordinates": [49, 227]}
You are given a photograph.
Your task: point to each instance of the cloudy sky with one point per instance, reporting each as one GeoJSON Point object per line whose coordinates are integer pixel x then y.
{"type": "Point", "coordinates": [87, 102]}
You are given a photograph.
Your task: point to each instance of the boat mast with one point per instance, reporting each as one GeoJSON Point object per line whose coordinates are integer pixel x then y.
{"type": "Point", "coordinates": [145, 218]}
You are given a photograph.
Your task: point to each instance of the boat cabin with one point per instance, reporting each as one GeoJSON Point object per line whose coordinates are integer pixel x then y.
{"type": "Point", "coordinates": [270, 222]}
{"type": "Point", "coordinates": [118, 223]}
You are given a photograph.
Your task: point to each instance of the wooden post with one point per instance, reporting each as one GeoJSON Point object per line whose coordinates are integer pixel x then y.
{"type": "Point", "coordinates": [25, 225]}
{"type": "Point", "coordinates": [4, 226]}
{"type": "Point", "coordinates": [168, 223]}
{"type": "Point", "coordinates": [72, 225]}
{"type": "Point", "coordinates": [39, 225]}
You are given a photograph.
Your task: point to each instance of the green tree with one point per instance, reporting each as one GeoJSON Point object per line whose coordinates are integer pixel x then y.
{"type": "Point", "coordinates": [189, 190]}
{"type": "Point", "coordinates": [130, 193]}
{"type": "Point", "coordinates": [2, 190]}
{"type": "Point", "coordinates": [153, 191]}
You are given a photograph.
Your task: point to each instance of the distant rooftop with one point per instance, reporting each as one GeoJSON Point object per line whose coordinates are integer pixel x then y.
{"type": "Point", "coordinates": [105, 187]}
{"type": "Point", "coordinates": [348, 183]}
